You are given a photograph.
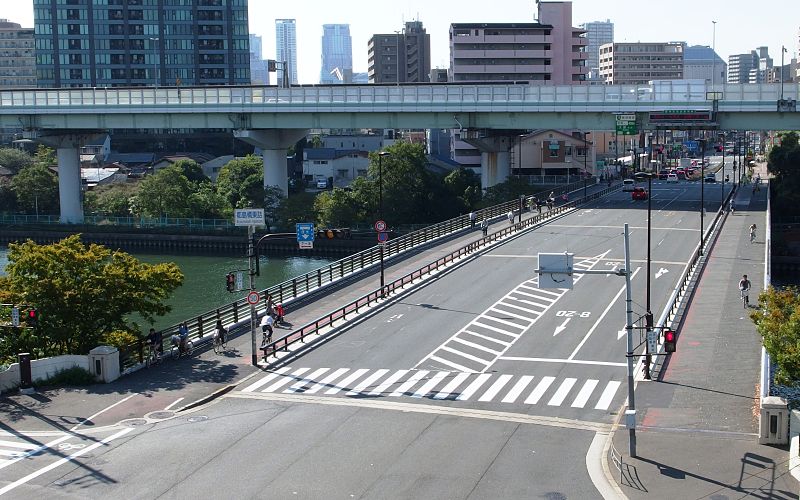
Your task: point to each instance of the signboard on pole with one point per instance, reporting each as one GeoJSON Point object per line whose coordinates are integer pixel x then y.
{"type": "Point", "coordinates": [652, 341]}
{"type": "Point", "coordinates": [555, 270]}
{"type": "Point", "coordinates": [383, 237]}
{"type": "Point", "coordinates": [14, 316]}
{"type": "Point", "coordinates": [239, 280]}
{"type": "Point", "coordinates": [626, 124]}
{"type": "Point", "coordinates": [248, 217]}
{"type": "Point", "coordinates": [252, 298]}
{"type": "Point", "coordinates": [305, 235]}
{"type": "Point", "coordinates": [380, 226]}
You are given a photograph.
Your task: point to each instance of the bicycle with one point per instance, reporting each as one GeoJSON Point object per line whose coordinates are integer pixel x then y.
{"type": "Point", "coordinates": [153, 356]}
{"type": "Point", "coordinates": [752, 236]}
{"type": "Point", "coordinates": [219, 344]}
{"type": "Point", "coordinates": [745, 298]}
{"type": "Point", "coordinates": [176, 348]}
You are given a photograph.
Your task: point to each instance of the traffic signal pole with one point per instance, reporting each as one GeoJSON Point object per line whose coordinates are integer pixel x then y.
{"type": "Point", "coordinates": [630, 414]}
{"type": "Point", "coordinates": [251, 255]}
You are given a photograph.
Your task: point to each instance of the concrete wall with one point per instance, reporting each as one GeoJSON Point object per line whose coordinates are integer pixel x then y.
{"type": "Point", "coordinates": [42, 369]}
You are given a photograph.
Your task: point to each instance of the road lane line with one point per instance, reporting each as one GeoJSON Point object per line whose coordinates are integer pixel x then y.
{"type": "Point", "coordinates": [388, 382]}
{"type": "Point", "coordinates": [451, 364]}
{"type": "Point", "coordinates": [408, 384]}
{"type": "Point", "coordinates": [34, 451]}
{"type": "Point", "coordinates": [428, 387]}
{"type": "Point", "coordinates": [501, 381]}
{"type": "Point", "coordinates": [266, 379]}
{"type": "Point", "coordinates": [584, 393]}
{"type": "Point", "coordinates": [474, 386]}
{"type": "Point", "coordinates": [285, 380]}
{"type": "Point", "coordinates": [14, 444]}
{"type": "Point", "coordinates": [305, 381]}
{"type": "Point", "coordinates": [607, 395]}
{"type": "Point", "coordinates": [173, 403]}
{"type": "Point", "coordinates": [347, 381]}
{"type": "Point", "coordinates": [64, 460]}
{"type": "Point", "coordinates": [450, 387]}
{"type": "Point", "coordinates": [515, 391]}
{"type": "Point", "coordinates": [596, 323]}
{"type": "Point", "coordinates": [327, 380]}
{"type": "Point", "coordinates": [366, 382]}
{"type": "Point", "coordinates": [567, 361]}
{"type": "Point", "coordinates": [89, 419]}
{"type": "Point", "coordinates": [539, 390]}
{"type": "Point", "coordinates": [561, 392]}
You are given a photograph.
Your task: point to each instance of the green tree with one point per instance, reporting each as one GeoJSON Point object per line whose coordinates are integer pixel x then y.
{"type": "Point", "coordinates": [784, 163]}
{"type": "Point", "coordinates": [316, 142]}
{"type": "Point", "coordinates": [112, 199]}
{"type": "Point", "coordinates": [45, 156]}
{"type": "Point", "coordinates": [192, 170]}
{"type": "Point", "coordinates": [777, 319]}
{"type": "Point", "coordinates": [165, 193]}
{"type": "Point", "coordinates": [15, 159]}
{"type": "Point", "coordinates": [341, 208]}
{"type": "Point", "coordinates": [241, 182]}
{"type": "Point", "coordinates": [297, 208]}
{"type": "Point", "coordinates": [83, 293]}
{"type": "Point", "coordinates": [207, 203]}
{"type": "Point", "coordinates": [36, 187]}
{"type": "Point", "coordinates": [465, 185]}
{"type": "Point", "coordinates": [8, 199]}
{"type": "Point", "coordinates": [273, 200]}
{"type": "Point", "coordinates": [511, 189]}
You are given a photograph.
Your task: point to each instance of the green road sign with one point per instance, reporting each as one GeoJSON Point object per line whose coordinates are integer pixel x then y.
{"type": "Point", "coordinates": [626, 124]}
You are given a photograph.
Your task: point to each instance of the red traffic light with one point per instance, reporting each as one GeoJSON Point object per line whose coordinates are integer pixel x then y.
{"type": "Point", "coordinates": [32, 314]}
{"type": "Point", "coordinates": [670, 340]}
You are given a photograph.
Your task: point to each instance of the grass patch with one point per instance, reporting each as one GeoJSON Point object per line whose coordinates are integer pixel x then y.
{"type": "Point", "coordinates": [68, 377]}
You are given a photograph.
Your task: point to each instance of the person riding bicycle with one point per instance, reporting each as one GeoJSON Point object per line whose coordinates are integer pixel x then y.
{"type": "Point", "coordinates": [267, 323]}
{"type": "Point", "coordinates": [220, 331]}
{"type": "Point", "coordinates": [752, 232]}
{"type": "Point", "coordinates": [183, 336]}
{"type": "Point", "coordinates": [744, 288]}
{"type": "Point", "coordinates": [155, 341]}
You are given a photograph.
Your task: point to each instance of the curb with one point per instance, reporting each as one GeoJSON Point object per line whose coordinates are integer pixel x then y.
{"type": "Point", "coordinates": [207, 399]}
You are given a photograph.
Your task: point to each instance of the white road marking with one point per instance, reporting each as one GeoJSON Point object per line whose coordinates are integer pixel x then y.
{"type": "Point", "coordinates": [567, 361]}
{"type": "Point", "coordinates": [347, 381]}
{"type": "Point", "coordinates": [327, 380]}
{"type": "Point", "coordinates": [388, 382]}
{"type": "Point", "coordinates": [515, 391]}
{"type": "Point", "coordinates": [307, 380]}
{"type": "Point", "coordinates": [474, 386]}
{"type": "Point", "coordinates": [608, 395]}
{"type": "Point", "coordinates": [465, 355]}
{"type": "Point", "coordinates": [173, 403]}
{"type": "Point", "coordinates": [455, 366]}
{"type": "Point", "coordinates": [430, 384]}
{"type": "Point", "coordinates": [584, 393]}
{"type": "Point", "coordinates": [75, 427]}
{"type": "Point", "coordinates": [366, 382]}
{"type": "Point", "coordinates": [476, 346]}
{"type": "Point", "coordinates": [561, 327]}
{"type": "Point", "coordinates": [501, 381]}
{"type": "Point", "coordinates": [64, 460]}
{"type": "Point", "coordinates": [34, 451]}
{"type": "Point", "coordinates": [285, 380]}
{"type": "Point", "coordinates": [486, 337]}
{"type": "Point", "coordinates": [411, 382]}
{"type": "Point", "coordinates": [539, 390]}
{"type": "Point", "coordinates": [661, 272]}
{"type": "Point", "coordinates": [561, 392]}
{"type": "Point", "coordinates": [265, 380]}
{"type": "Point", "coordinates": [14, 444]}
{"type": "Point", "coordinates": [498, 330]}
{"type": "Point", "coordinates": [452, 386]}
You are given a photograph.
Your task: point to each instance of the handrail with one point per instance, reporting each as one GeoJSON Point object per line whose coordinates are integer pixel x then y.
{"type": "Point", "coordinates": [616, 459]}
{"type": "Point", "coordinates": [764, 376]}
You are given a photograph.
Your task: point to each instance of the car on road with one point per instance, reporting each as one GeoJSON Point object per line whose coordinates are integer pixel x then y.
{"type": "Point", "coordinates": [628, 185]}
{"type": "Point", "coordinates": [662, 174]}
{"type": "Point", "coordinates": [672, 178]}
{"type": "Point", "coordinates": [639, 194]}
{"type": "Point", "coordinates": [710, 178]}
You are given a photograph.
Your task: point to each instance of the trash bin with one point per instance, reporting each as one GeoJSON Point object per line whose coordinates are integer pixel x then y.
{"type": "Point", "coordinates": [773, 421]}
{"type": "Point", "coordinates": [104, 363]}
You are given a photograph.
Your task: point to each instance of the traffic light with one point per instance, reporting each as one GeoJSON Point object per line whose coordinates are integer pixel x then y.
{"type": "Point", "coordinates": [230, 282]}
{"type": "Point", "coordinates": [670, 339]}
{"type": "Point", "coordinates": [33, 318]}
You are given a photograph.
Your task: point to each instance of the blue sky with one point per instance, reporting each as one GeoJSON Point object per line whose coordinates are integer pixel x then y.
{"type": "Point", "coordinates": [741, 25]}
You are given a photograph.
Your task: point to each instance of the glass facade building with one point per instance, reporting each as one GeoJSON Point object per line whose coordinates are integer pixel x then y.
{"type": "Point", "coordinates": [97, 43]}
{"type": "Point", "coordinates": [286, 48]}
{"type": "Point", "coordinates": [337, 53]}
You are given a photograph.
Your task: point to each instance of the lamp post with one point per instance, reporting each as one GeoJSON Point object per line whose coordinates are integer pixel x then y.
{"type": "Point", "coordinates": [380, 204]}
{"type": "Point", "coordinates": [585, 154]}
{"type": "Point", "coordinates": [702, 188]}
{"type": "Point", "coordinates": [722, 193]}
{"type": "Point", "coordinates": [714, 50]}
{"type": "Point", "coordinates": [783, 51]}
{"type": "Point", "coordinates": [153, 41]}
{"type": "Point", "coordinates": [649, 315]}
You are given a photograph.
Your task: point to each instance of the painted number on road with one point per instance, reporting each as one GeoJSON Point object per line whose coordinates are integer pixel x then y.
{"type": "Point", "coordinates": [573, 314]}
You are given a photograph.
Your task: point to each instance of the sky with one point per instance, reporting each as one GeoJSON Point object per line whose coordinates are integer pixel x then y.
{"type": "Point", "coordinates": [741, 25]}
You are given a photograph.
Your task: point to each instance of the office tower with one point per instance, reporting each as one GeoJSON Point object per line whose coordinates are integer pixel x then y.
{"type": "Point", "coordinates": [403, 56]}
{"type": "Point", "coordinates": [739, 66]}
{"type": "Point", "coordinates": [700, 61]}
{"type": "Point", "coordinates": [337, 53]}
{"type": "Point", "coordinates": [17, 56]}
{"type": "Point", "coordinates": [258, 66]}
{"type": "Point", "coordinates": [286, 48]}
{"type": "Point", "coordinates": [638, 63]}
{"type": "Point", "coordinates": [597, 33]}
{"type": "Point", "coordinates": [136, 43]}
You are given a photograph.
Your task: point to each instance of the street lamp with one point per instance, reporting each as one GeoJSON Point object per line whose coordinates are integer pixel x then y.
{"type": "Point", "coordinates": [722, 193]}
{"type": "Point", "coordinates": [702, 188]}
{"type": "Point", "coordinates": [153, 41]}
{"type": "Point", "coordinates": [783, 51]}
{"type": "Point", "coordinates": [585, 154]}
{"type": "Point", "coordinates": [649, 315]}
{"type": "Point", "coordinates": [714, 54]}
{"type": "Point", "coordinates": [380, 203]}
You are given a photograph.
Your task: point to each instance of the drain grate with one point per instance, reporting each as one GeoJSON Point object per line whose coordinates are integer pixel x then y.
{"type": "Point", "coordinates": [133, 422]}
{"type": "Point", "coordinates": [161, 415]}
{"type": "Point", "coordinates": [199, 418]}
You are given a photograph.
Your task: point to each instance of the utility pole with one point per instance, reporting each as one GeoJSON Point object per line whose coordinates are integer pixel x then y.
{"type": "Point", "coordinates": [251, 255]}
{"type": "Point", "coordinates": [630, 413]}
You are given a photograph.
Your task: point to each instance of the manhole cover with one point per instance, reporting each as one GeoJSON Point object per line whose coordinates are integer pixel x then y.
{"type": "Point", "coordinates": [199, 418]}
{"type": "Point", "coordinates": [134, 422]}
{"type": "Point", "coordinates": [161, 415]}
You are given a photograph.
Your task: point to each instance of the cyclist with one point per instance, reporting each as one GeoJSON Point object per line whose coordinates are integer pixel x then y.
{"type": "Point", "coordinates": [220, 330]}
{"type": "Point", "coordinates": [744, 288]}
{"type": "Point", "coordinates": [752, 232]}
{"type": "Point", "coordinates": [183, 335]}
{"type": "Point", "coordinates": [155, 341]}
{"type": "Point", "coordinates": [267, 323]}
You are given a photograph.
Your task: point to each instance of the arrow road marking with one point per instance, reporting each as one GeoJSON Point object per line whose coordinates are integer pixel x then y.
{"type": "Point", "coordinates": [622, 333]}
{"type": "Point", "coordinates": [561, 328]}
{"type": "Point", "coordinates": [661, 272]}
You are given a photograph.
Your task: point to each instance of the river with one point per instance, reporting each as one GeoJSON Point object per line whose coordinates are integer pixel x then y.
{"type": "Point", "coordinates": [203, 287]}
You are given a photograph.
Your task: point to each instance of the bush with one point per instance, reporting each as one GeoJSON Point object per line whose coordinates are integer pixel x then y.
{"type": "Point", "coordinates": [68, 377]}
{"type": "Point", "coordinates": [120, 339]}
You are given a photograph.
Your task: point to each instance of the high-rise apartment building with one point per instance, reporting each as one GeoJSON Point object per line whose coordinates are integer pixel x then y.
{"type": "Point", "coordinates": [739, 66]}
{"type": "Point", "coordinates": [258, 66]}
{"type": "Point", "coordinates": [700, 62]}
{"type": "Point", "coordinates": [638, 63]}
{"type": "Point", "coordinates": [337, 53]}
{"type": "Point", "coordinates": [597, 33]}
{"type": "Point", "coordinates": [141, 43]}
{"type": "Point", "coordinates": [286, 48]}
{"type": "Point", "coordinates": [17, 56]}
{"type": "Point", "coordinates": [400, 57]}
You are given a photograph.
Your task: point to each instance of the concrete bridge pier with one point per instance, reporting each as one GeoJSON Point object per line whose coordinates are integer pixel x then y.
{"type": "Point", "coordinates": [495, 158]}
{"type": "Point", "coordinates": [273, 143]}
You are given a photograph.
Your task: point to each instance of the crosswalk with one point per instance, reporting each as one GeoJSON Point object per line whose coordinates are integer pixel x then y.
{"type": "Point", "coordinates": [441, 385]}
{"type": "Point", "coordinates": [489, 336]}
{"type": "Point", "coordinates": [16, 448]}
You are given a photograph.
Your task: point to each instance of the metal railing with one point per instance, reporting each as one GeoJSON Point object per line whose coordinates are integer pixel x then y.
{"type": "Point", "coordinates": [108, 220]}
{"type": "Point", "coordinates": [232, 314]}
{"type": "Point", "coordinates": [616, 459]}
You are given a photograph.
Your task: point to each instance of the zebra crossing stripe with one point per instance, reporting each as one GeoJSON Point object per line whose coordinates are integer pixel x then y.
{"type": "Point", "coordinates": [409, 383]}
{"type": "Point", "coordinates": [515, 391]}
{"type": "Point", "coordinates": [504, 321]}
{"type": "Point", "coordinates": [474, 386]}
{"type": "Point", "coordinates": [366, 382]}
{"type": "Point", "coordinates": [501, 381]}
{"type": "Point", "coordinates": [608, 395]}
{"type": "Point", "coordinates": [476, 346]}
{"type": "Point", "coordinates": [428, 387]}
{"type": "Point", "coordinates": [584, 393]}
{"type": "Point", "coordinates": [465, 355]}
{"type": "Point", "coordinates": [456, 366]}
{"type": "Point", "coordinates": [285, 380]}
{"type": "Point", "coordinates": [450, 387]}
{"type": "Point", "coordinates": [539, 390]}
{"type": "Point", "coordinates": [486, 337]}
{"type": "Point", "coordinates": [561, 392]}
{"type": "Point", "coordinates": [495, 329]}
{"type": "Point", "coordinates": [327, 380]}
{"type": "Point", "coordinates": [527, 319]}
{"type": "Point", "coordinates": [265, 380]}
{"type": "Point", "coordinates": [388, 382]}
{"type": "Point", "coordinates": [347, 381]}
{"type": "Point", "coordinates": [22, 446]}
{"type": "Point", "coordinates": [309, 379]}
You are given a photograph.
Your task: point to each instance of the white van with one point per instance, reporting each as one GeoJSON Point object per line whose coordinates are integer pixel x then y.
{"type": "Point", "coordinates": [628, 185]}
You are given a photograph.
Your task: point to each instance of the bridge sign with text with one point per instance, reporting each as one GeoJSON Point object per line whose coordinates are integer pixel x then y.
{"type": "Point", "coordinates": [626, 124]}
{"type": "Point", "coordinates": [248, 217]}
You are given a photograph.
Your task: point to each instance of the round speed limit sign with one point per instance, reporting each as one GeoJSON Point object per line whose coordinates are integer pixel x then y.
{"type": "Point", "coordinates": [252, 298]}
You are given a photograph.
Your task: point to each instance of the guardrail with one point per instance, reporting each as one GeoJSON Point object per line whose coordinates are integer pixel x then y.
{"type": "Point", "coordinates": [354, 307]}
{"type": "Point", "coordinates": [766, 380]}
{"type": "Point", "coordinates": [616, 459]}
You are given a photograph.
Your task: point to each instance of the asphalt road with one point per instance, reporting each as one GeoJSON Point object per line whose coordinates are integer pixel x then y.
{"type": "Point", "coordinates": [474, 385]}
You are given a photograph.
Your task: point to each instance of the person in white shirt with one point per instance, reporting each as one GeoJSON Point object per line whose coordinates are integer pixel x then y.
{"type": "Point", "coordinates": [267, 323]}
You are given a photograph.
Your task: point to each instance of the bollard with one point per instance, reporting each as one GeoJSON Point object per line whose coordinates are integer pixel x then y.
{"type": "Point", "coordinates": [25, 381]}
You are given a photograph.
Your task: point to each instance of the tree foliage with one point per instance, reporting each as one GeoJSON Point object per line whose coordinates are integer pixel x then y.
{"type": "Point", "coordinates": [15, 159]}
{"type": "Point", "coordinates": [777, 319]}
{"type": "Point", "coordinates": [164, 194]}
{"type": "Point", "coordinates": [784, 163]}
{"type": "Point", "coordinates": [113, 199]}
{"type": "Point", "coordinates": [8, 199]}
{"type": "Point", "coordinates": [35, 186]}
{"type": "Point", "coordinates": [241, 182]}
{"type": "Point", "coordinates": [82, 293]}
{"type": "Point", "coordinates": [192, 170]}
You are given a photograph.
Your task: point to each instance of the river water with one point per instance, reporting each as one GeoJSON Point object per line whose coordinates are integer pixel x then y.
{"type": "Point", "coordinates": [203, 287]}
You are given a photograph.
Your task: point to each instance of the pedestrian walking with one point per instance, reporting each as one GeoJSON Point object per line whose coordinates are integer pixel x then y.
{"type": "Point", "coordinates": [485, 226]}
{"type": "Point", "coordinates": [472, 218]}
{"type": "Point", "coordinates": [510, 216]}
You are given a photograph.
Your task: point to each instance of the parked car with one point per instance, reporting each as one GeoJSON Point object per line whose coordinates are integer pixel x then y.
{"type": "Point", "coordinates": [672, 178]}
{"type": "Point", "coordinates": [322, 184]}
{"type": "Point", "coordinates": [639, 194]}
{"type": "Point", "coordinates": [710, 178]}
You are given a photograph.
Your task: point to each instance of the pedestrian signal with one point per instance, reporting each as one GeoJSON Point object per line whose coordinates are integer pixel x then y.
{"type": "Point", "coordinates": [670, 339]}
{"type": "Point", "coordinates": [230, 283]}
{"type": "Point", "coordinates": [33, 318]}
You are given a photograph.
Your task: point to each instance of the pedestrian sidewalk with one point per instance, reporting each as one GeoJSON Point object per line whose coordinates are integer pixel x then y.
{"type": "Point", "coordinates": [697, 427]}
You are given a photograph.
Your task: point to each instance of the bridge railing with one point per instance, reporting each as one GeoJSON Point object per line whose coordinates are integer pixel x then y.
{"type": "Point", "coordinates": [314, 281]}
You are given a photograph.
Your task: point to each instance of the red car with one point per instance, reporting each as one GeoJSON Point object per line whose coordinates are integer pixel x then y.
{"type": "Point", "coordinates": [639, 194]}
